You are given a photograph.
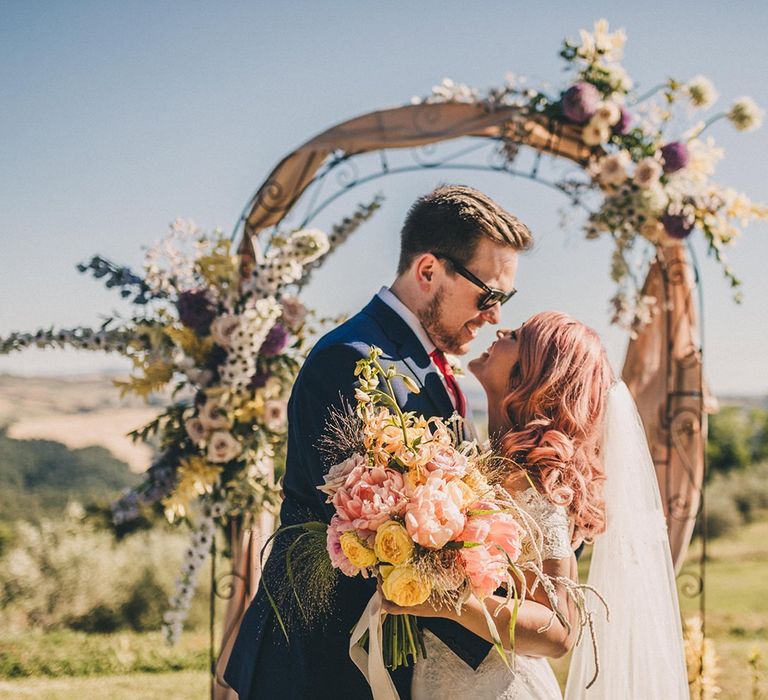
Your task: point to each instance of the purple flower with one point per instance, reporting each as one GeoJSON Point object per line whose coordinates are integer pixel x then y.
{"type": "Point", "coordinates": [622, 126]}
{"type": "Point", "coordinates": [275, 341]}
{"type": "Point", "coordinates": [259, 380]}
{"type": "Point", "coordinates": [675, 156]}
{"type": "Point", "coordinates": [580, 102]}
{"type": "Point", "coordinates": [677, 226]}
{"type": "Point", "coordinates": [195, 310]}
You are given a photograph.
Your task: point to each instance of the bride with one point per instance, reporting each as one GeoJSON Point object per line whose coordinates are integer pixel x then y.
{"type": "Point", "coordinates": [586, 475]}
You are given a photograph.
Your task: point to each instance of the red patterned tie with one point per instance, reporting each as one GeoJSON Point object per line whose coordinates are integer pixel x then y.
{"type": "Point", "coordinates": [441, 362]}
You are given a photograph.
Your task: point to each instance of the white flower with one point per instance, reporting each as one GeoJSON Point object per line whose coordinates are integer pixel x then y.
{"type": "Point", "coordinates": [618, 78]}
{"type": "Point", "coordinates": [212, 416]}
{"type": "Point", "coordinates": [218, 509]}
{"type": "Point", "coordinates": [607, 112]}
{"type": "Point", "coordinates": [448, 91]}
{"type": "Point", "coordinates": [200, 377]}
{"type": "Point", "coordinates": [702, 157]}
{"type": "Point", "coordinates": [223, 447]}
{"type": "Point", "coordinates": [647, 172]}
{"type": "Point", "coordinates": [338, 473]}
{"type": "Point", "coordinates": [610, 45]}
{"type": "Point", "coordinates": [613, 168]}
{"type": "Point", "coordinates": [595, 133]}
{"type": "Point", "coordinates": [654, 198]}
{"type": "Point", "coordinates": [222, 329]}
{"type": "Point", "coordinates": [602, 44]}
{"type": "Point", "coordinates": [745, 115]}
{"type": "Point", "coordinates": [701, 92]}
{"type": "Point", "coordinates": [246, 340]}
{"type": "Point", "coordinates": [275, 415]}
{"type": "Point", "coordinates": [195, 429]}
{"type": "Point", "coordinates": [307, 245]}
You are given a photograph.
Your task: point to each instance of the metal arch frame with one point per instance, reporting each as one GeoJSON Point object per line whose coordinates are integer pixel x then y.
{"type": "Point", "coordinates": [347, 182]}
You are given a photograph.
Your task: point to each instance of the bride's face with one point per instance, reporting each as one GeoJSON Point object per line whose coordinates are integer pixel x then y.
{"type": "Point", "coordinates": [494, 367]}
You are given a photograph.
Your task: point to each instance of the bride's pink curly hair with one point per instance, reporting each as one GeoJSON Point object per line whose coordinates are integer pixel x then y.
{"type": "Point", "coordinates": [556, 403]}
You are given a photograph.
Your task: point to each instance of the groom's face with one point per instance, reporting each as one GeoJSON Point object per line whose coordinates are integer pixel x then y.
{"type": "Point", "coordinates": [452, 317]}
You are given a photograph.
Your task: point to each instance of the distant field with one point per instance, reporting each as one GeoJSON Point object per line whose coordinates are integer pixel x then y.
{"type": "Point", "coordinates": [78, 412]}
{"type": "Point", "coordinates": [183, 685]}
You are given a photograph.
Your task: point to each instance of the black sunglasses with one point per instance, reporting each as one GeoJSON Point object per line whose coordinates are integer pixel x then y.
{"type": "Point", "coordinates": [491, 297]}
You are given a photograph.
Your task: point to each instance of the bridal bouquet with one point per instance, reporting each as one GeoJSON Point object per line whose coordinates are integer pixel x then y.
{"type": "Point", "coordinates": [421, 511]}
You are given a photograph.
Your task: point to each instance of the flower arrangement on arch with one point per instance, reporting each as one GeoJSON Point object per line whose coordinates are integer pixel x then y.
{"type": "Point", "coordinates": [224, 337]}
{"type": "Point", "coordinates": [654, 177]}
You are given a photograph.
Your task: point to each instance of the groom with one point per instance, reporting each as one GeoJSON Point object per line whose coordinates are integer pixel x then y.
{"type": "Point", "coordinates": [458, 259]}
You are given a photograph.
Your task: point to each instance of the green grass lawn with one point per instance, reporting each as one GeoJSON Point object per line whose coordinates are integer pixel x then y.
{"type": "Point", "coordinates": [73, 666]}
{"type": "Point", "coordinates": [181, 685]}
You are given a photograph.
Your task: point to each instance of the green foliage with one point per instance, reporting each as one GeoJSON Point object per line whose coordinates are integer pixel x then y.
{"type": "Point", "coordinates": [738, 437]}
{"type": "Point", "coordinates": [734, 499]}
{"type": "Point", "coordinates": [39, 477]}
{"type": "Point", "coordinates": [67, 653]}
{"type": "Point", "coordinates": [68, 574]}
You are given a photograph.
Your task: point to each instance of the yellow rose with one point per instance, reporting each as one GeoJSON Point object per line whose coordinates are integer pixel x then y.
{"type": "Point", "coordinates": [356, 551]}
{"type": "Point", "coordinates": [405, 587]}
{"type": "Point", "coordinates": [393, 544]}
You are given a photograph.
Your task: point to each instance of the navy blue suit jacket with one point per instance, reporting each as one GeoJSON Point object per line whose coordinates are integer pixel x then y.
{"type": "Point", "coordinates": [315, 662]}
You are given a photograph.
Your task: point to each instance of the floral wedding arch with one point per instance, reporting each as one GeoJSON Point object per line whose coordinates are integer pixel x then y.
{"type": "Point", "coordinates": [223, 331]}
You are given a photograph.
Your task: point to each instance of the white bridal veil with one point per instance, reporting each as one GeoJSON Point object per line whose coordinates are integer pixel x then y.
{"type": "Point", "coordinates": [640, 649]}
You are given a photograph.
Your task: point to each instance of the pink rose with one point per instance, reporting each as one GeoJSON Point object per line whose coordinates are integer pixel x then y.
{"type": "Point", "coordinates": [497, 529]}
{"type": "Point", "coordinates": [486, 569]}
{"type": "Point", "coordinates": [339, 560]}
{"type": "Point", "coordinates": [338, 473]}
{"type": "Point", "coordinates": [434, 516]}
{"type": "Point", "coordinates": [370, 496]}
{"type": "Point", "coordinates": [449, 460]}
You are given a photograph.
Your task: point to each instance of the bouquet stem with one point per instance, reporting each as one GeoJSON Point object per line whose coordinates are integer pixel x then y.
{"type": "Point", "coordinates": [403, 641]}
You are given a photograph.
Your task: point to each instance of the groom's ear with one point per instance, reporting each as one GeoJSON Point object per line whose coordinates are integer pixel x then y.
{"type": "Point", "coordinates": [425, 268]}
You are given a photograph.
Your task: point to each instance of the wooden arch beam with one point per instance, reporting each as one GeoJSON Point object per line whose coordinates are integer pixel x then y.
{"type": "Point", "coordinates": [402, 127]}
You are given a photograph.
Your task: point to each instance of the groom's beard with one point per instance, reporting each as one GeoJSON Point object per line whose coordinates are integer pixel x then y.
{"type": "Point", "coordinates": [430, 317]}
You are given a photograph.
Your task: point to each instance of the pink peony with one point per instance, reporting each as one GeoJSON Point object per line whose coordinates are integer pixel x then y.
{"type": "Point", "coordinates": [339, 560]}
{"type": "Point", "coordinates": [448, 460]}
{"type": "Point", "coordinates": [338, 473]}
{"type": "Point", "coordinates": [370, 496]}
{"type": "Point", "coordinates": [498, 529]}
{"type": "Point", "coordinates": [434, 515]}
{"type": "Point", "coordinates": [486, 569]}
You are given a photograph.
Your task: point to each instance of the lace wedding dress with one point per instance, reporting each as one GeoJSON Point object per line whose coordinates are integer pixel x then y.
{"type": "Point", "coordinates": [444, 676]}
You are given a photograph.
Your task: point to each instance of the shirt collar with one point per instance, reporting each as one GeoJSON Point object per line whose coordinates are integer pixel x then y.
{"type": "Point", "coordinates": [389, 298]}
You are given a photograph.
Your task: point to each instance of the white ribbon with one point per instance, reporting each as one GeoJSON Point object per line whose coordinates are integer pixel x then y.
{"type": "Point", "coordinates": [371, 664]}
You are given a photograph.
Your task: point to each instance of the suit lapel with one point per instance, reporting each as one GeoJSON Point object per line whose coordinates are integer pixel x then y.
{"type": "Point", "coordinates": [412, 354]}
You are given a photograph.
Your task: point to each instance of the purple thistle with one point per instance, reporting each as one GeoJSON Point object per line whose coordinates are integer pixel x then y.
{"type": "Point", "coordinates": [259, 380]}
{"type": "Point", "coordinates": [580, 102]}
{"type": "Point", "coordinates": [675, 156]}
{"type": "Point", "coordinates": [195, 310]}
{"type": "Point", "coordinates": [622, 126]}
{"type": "Point", "coordinates": [677, 226]}
{"type": "Point", "coordinates": [275, 341]}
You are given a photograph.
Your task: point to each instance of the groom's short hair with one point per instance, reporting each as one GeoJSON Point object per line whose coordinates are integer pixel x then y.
{"type": "Point", "coordinates": [452, 219]}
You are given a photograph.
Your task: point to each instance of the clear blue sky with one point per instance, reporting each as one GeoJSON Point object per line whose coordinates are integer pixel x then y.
{"type": "Point", "coordinates": [118, 117]}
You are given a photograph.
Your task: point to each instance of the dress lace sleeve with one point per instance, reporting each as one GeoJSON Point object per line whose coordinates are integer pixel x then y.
{"type": "Point", "coordinates": [553, 521]}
